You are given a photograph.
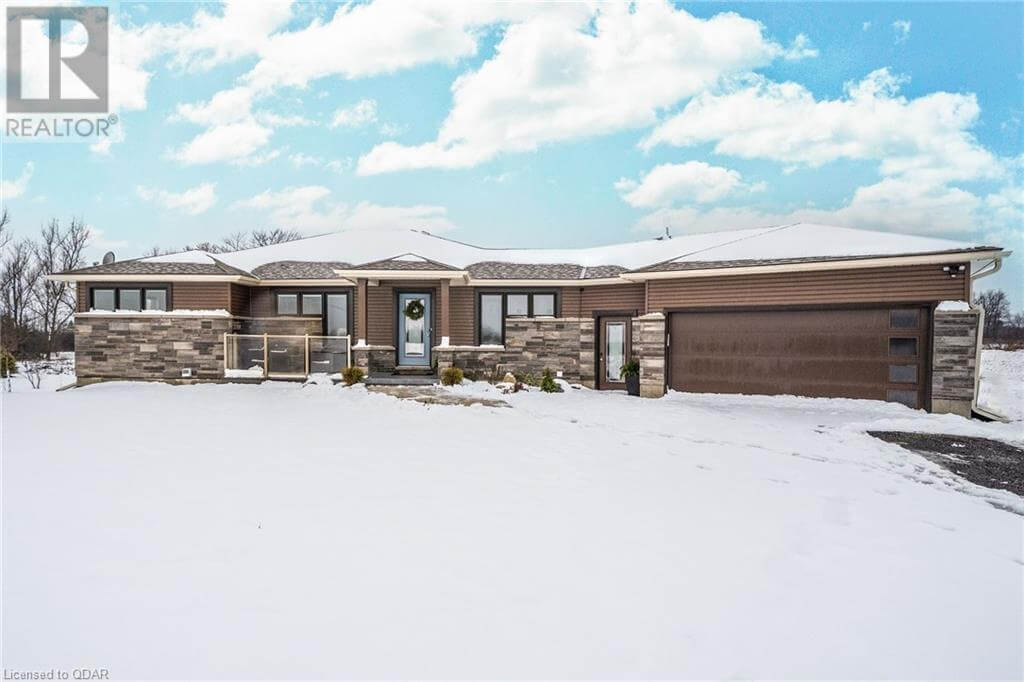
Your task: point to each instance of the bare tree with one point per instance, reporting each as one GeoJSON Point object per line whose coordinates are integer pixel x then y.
{"type": "Point", "coordinates": [208, 247]}
{"type": "Point", "coordinates": [236, 241]}
{"type": "Point", "coordinates": [19, 280]}
{"type": "Point", "coordinates": [57, 250]}
{"type": "Point", "coordinates": [274, 236]}
{"type": "Point", "coordinates": [5, 219]}
{"type": "Point", "coordinates": [997, 310]}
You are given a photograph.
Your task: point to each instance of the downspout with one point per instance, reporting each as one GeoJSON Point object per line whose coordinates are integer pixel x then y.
{"type": "Point", "coordinates": [995, 266]}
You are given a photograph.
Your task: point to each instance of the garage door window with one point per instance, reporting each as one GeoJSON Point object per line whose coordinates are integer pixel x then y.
{"type": "Point", "coordinates": [903, 374]}
{"type": "Point", "coordinates": [899, 347]}
{"type": "Point", "coordinates": [903, 319]}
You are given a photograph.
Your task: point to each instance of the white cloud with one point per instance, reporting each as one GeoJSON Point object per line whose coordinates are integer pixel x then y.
{"type": "Point", "coordinates": [901, 27]}
{"type": "Point", "coordinates": [573, 74]}
{"type": "Point", "coordinates": [234, 142]}
{"type": "Point", "coordinates": [300, 159]}
{"type": "Point", "coordinates": [929, 135]}
{"type": "Point", "coordinates": [671, 183]}
{"type": "Point", "coordinates": [339, 165]}
{"type": "Point", "coordinates": [311, 210]}
{"type": "Point", "coordinates": [358, 115]}
{"type": "Point", "coordinates": [865, 26]}
{"type": "Point", "coordinates": [800, 49]}
{"type": "Point", "coordinates": [194, 201]}
{"type": "Point", "coordinates": [11, 189]}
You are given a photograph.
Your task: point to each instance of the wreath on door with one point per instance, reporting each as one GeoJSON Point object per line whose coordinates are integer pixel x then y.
{"type": "Point", "coordinates": [414, 309]}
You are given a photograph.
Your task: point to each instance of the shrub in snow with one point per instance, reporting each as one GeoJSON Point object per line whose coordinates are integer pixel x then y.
{"type": "Point", "coordinates": [451, 376]}
{"type": "Point", "coordinates": [548, 383]}
{"type": "Point", "coordinates": [352, 375]}
{"type": "Point", "coordinates": [630, 369]}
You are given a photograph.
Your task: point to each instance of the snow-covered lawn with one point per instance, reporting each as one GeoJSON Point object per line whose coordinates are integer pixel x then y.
{"type": "Point", "coordinates": [281, 531]}
{"type": "Point", "coordinates": [1002, 382]}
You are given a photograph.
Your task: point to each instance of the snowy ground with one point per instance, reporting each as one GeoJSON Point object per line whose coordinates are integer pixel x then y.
{"type": "Point", "coordinates": [1002, 382]}
{"type": "Point", "coordinates": [277, 531]}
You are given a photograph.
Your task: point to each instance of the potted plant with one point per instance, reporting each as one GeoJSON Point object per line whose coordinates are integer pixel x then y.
{"type": "Point", "coordinates": [630, 373]}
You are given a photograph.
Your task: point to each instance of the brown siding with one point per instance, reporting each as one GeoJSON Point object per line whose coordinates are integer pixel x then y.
{"type": "Point", "coordinates": [463, 307]}
{"type": "Point", "coordinates": [201, 295]}
{"type": "Point", "coordinates": [261, 303]}
{"type": "Point", "coordinates": [82, 297]}
{"type": "Point", "coordinates": [571, 301]}
{"type": "Point", "coordinates": [239, 299]}
{"type": "Point", "coordinates": [907, 284]}
{"type": "Point", "coordinates": [612, 297]}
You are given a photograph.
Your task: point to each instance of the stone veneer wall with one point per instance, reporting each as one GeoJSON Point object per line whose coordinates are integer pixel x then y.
{"type": "Point", "coordinates": [954, 360]}
{"type": "Point", "coordinates": [531, 346]}
{"type": "Point", "coordinates": [649, 348]}
{"type": "Point", "coordinates": [374, 359]}
{"type": "Point", "coordinates": [150, 346]}
{"type": "Point", "coordinates": [296, 326]}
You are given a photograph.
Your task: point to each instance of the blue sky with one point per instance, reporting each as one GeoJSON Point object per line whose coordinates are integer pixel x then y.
{"type": "Point", "coordinates": [551, 125]}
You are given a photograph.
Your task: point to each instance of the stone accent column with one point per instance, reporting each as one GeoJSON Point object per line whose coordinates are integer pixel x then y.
{"type": "Point", "coordinates": [374, 359]}
{"type": "Point", "coordinates": [649, 349]}
{"type": "Point", "coordinates": [954, 360]}
{"type": "Point", "coordinates": [588, 375]}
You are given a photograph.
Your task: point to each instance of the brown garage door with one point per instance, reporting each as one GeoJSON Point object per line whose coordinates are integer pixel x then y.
{"type": "Point", "coordinates": [876, 353]}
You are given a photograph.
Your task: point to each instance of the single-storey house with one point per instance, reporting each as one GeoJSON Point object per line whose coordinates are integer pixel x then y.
{"type": "Point", "coordinates": [800, 309]}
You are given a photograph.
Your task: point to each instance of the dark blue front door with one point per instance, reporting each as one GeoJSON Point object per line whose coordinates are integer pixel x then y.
{"type": "Point", "coordinates": [414, 330]}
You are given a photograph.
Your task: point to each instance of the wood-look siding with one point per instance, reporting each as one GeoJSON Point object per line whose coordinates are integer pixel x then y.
{"type": "Point", "coordinates": [918, 283]}
{"type": "Point", "coordinates": [382, 312]}
{"type": "Point", "coordinates": [613, 297]}
{"type": "Point", "coordinates": [201, 295]}
{"type": "Point", "coordinates": [240, 299]}
{"type": "Point", "coordinates": [261, 303]}
{"type": "Point", "coordinates": [462, 314]}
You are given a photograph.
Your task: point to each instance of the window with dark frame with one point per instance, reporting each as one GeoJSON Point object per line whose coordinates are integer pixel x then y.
{"type": "Point", "coordinates": [287, 304]}
{"type": "Point", "coordinates": [128, 298]}
{"type": "Point", "coordinates": [494, 307]}
{"type": "Point", "coordinates": [333, 307]}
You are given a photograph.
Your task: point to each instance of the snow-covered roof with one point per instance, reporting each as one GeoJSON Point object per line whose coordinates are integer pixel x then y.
{"type": "Point", "coordinates": [409, 249]}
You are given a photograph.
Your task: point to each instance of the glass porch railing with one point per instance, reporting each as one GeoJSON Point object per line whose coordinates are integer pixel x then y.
{"type": "Point", "coordinates": [278, 356]}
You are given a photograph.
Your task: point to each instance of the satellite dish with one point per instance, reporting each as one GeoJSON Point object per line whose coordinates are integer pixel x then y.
{"type": "Point", "coordinates": [108, 258]}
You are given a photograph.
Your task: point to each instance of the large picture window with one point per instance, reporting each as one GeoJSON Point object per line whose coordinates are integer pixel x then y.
{"type": "Point", "coordinates": [495, 307]}
{"type": "Point", "coordinates": [333, 307]}
{"type": "Point", "coordinates": [128, 298]}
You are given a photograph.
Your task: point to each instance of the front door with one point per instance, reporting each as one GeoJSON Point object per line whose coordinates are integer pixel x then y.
{"type": "Point", "coordinates": [414, 330]}
{"type": "Point", "coordinates": [613, 348]}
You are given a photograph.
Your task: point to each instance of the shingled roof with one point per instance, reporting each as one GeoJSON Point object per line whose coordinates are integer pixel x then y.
{"type": "Point", "coordinates": [403, 263]}
{"type": "Point", "coordinates": [297, 269]}
{"type": "Point", "coordinates": [143, 267]}
{"type": "Point", "coordinates": [683, 266]}
{"type": "Point", "coordinates": [500, 270]}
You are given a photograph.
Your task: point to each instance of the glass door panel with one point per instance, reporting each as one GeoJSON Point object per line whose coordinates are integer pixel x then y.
{"type": "Point", "coordinates": [615, 350]}
{"type": "Point", "coordinates": [337, 314]}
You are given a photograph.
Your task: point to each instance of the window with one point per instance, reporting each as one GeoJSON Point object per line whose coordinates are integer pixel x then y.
{"type": "Point", "coordinates": [492, 326]}
{"type": "Point", "coordinates": [903, 319]}
{"type": "Point", "coordinates": [128, 298]}
{"type": "Point", "coordinates": [312, 304]}
{"type": "Point", "coordinates": [902, 347]}
{"type": "Point", "coordinates": [495, 307]}
{"type": "Point", "coordinates": [518, 305]}
{"type": "Point", "coordinates": [156, 299]}
{"type": "Point", "coordinates": [903, 374]}
{"type": "Point", "coordinates": [908, 398]}
{"type": "Point", "coordinates": [543, 305]}
{"type": "Point", "coordinates": [337, 315]}
{"type": "Point", "coordinates": [287, 304]}
{"type": "Point", "coordinates": [103, 299]}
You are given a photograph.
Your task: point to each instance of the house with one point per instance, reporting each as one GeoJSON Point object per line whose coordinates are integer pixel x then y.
{"type": "Point", "coordinates": [798, 309]}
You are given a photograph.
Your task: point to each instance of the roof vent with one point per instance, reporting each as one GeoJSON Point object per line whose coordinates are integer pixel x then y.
{"type": "Point", "coordinates": [108, 258]}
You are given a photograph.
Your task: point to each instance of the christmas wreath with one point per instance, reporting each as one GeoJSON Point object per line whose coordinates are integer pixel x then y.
{"type": "Point", "coordinates": [414, 310]}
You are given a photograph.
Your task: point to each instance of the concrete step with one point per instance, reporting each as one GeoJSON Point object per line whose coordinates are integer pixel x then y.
{"type": "Point", "coordinates": [401, 380]}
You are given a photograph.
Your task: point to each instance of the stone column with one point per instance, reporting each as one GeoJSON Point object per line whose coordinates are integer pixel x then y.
{"type": "Point", "coordinates": [587, 371]}
{"type": "Point", "coordinates": [649, 349]}
{"type": "Point", "coordinates": [954, 360]}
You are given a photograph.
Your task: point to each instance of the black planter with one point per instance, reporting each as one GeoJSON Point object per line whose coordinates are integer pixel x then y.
{"type": "Point", "coordinates": [633, 384]}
